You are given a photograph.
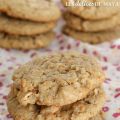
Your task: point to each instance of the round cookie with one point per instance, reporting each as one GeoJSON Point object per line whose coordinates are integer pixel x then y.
{"type": "Point", "coordinates": [93, 37]}
{"type": "Point", "coordinates": [86, 109]}
{"type": "Point", "coordinates": [25, 42]}
{"type": "Point", "coordinates": [23, 27]}
{"type": "Point", "coordinates": [80, 24]}
{"type": "Point", "coordinates": [35, 10]}
{"type": "Point", "coordinates": [58, 79]}
{"type": "Point", "coordinates": [93, 12]}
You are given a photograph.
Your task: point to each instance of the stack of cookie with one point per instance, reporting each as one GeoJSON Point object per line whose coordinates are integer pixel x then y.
{"type": "Point", "coordinates": [27, 24]}
{"type": "Point", "coordinates": [92, 24]}
{"type": "Point", "coordinates": [61, 86]}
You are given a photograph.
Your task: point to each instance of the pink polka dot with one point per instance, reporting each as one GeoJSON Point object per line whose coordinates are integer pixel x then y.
{"type": "Point", "coordinates": [105, 109]}
{"type": "Point", "coordinates": [116, 115]}
{"type": "Point", "coordinates": [105, 59]}
{"type": "Point", "coordinates": [85, 51]}
{"type": "Point", "coordinates": [61, 41]}
{"type": "Point", "coordinates": [2, 75]}
{"type": "Point", "coordinates": [62, 48]}
{"type": "Point", "coordinates": [77, 44]}
{"type": "Point", "coordinates": [105, 68]}
{"type": "Point", "coordinates": [8, 116]}
{"type": "Point", "coordinates": [1, 94]}
{"type": "Point", "coordinates": [117, 89]}
{"type": "Point", "coordinates": [1, 84]}
{"type": "Point", "coordinates": [1, 104]}
{"type": "Point", "coordinates": [118, 46]}
{"type": "Point", "coordinates": [25, 51]}
{"type": "Point", "coordinates": [33, 54]}
{"type": "Point", "coordinates": [10, 68]}
{"type": "Point", "coordinates": [8, 50]}
{"type": "Point", "coordinates": [106, 82]}
{"type": "Point", "coordinates": [0, 64]}
{"type": "Point", "coordinates": [5, 97]}
{"type": "Point", "coordinates": [117, 95]}
{"type": "Point", "coordinates": [69, 46]}
{"type": "Point", "coordinates": [115, 64]}
{"type": "Point", "coordinates": [58, 36]}
{"type": "Point", "coordinates": [95, 53]}
{"type": "Point", "coordinates": [112, 46]}
{"type": "Point", "coordinates": [108, 79]}
{"type": "Point", "coordinates": [48, 50]}
{"type": "Point", "coordinates": [118, 68]}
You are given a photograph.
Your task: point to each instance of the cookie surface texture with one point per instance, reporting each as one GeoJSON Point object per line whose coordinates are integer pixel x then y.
{"type": "Point", "coordinates": [80, 24]}
{"type": "Point", "coordinates": [93, 37]}
{"type": "Point", "coordinates": [58, 79]}
{"type": "Point", "coordinates": [23, 27]}
{"type": "Point", "coordinates": [34, 10]}
{"type": "Point", "coordinates": [25, 42]}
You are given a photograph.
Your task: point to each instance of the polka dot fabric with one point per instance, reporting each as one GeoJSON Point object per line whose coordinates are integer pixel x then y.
{"type": "Point", "coordinates": [108, 55]}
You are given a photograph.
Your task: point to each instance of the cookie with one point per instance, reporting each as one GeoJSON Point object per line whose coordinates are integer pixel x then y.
{"type": "Point", "coordinates": [35, 10]}
{"type": "Point", "coordinates": [23, 27]}
{"type": "Point", "coordinates": [84, 109]}
{"type": "Point", "coordinates": [58, 79]}
{"type": "Point", "coordinates": [80, 110]}
{"type": "Point", "coordinates": [93, 37]}
{"type": "Point", "coordinates": [25, 42]}
{"type": "Point", "coordinates": [80, 24]}
{"type": "Point", "coordinates": [93, 12]}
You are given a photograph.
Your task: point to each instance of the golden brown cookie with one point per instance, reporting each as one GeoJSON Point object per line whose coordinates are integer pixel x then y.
{"type": "Point", "coordinates": [25, 42]}
{"type": "Point", "coordinates": [58, 79]}
{"type": "Point", "coordinates": [93, 37]}
{"type": "Point", "coordinates": [86, 109]}
{"type": "Point", "coordinates": [80, 24]}
{"type": "Point", "coordinates": [35, 10]}
{"type": "Point", "coordinates": [23, 27]}
{"type": "Point", "coordinates": [93, 12]}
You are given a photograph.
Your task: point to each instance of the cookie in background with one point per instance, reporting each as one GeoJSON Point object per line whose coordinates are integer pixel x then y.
{"type": "Point", "coordinates": [93, 24]}
{"type": "Point", "coordinates": [27, 24]}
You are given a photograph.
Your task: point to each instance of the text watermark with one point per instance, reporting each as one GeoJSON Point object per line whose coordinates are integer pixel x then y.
{"type": "Point", "coordinates": [91, 4]}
